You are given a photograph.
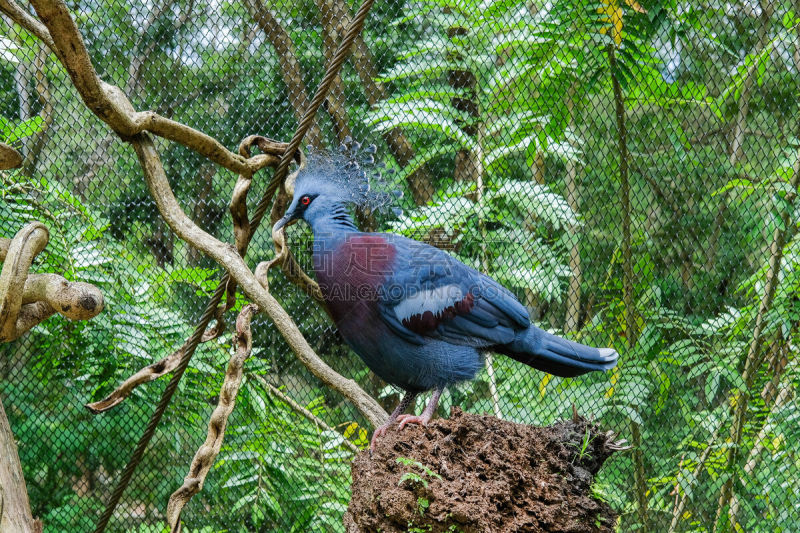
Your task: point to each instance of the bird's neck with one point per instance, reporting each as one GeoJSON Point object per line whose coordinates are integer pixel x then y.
{"type": "Point", "coordinates": [334, 224]}
{"type": "Point", "coordinates": [331, 230]}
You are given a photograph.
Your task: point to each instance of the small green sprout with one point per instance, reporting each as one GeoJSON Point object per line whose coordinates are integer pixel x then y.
{"type": "Point", "coordinates": [583, 449]}
{"type": "Point", "coordinates": [415, 477]}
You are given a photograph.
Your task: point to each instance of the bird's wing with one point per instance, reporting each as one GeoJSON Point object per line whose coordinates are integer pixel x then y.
{"type": "Point", "coordinates": [429, 294]}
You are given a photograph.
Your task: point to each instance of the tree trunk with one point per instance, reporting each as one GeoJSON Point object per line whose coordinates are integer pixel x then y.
{"type": "Point", "coordinates": [161, 244]}
{"type": "Point", "coordinates": [466, 164]}
{"type": "Point", "coordinates": [15, 509]}
{"type": "Point", "coordinates": [537, 169]}
{"type": "Point", "coordinates": [737, 135]}
{"type": "Point", "coordinates": [735, 151]}
{"type": "Point", "coordinates": [133, 88]}
{"type": "Point", "coordinates": [203, 212]}
{"type": "Point", "coordinates": [335, 103]}
{"type": "Point", "coordinates": [573, 313]}
{"type": "Point", "coordinates": [639, 474]}
{"type": "Point", "coordinates": [36, 142]}
{"type": "Point", "coordinates": [420, 182]}
{"type": "Point", "coordinates": [135, 68]}
{"type": "Point", "coordinates": [291, 72]}
{"type": "Point", "coordinates": [24, 75]}
{"type": "Point", "coordinates": [22, 82]}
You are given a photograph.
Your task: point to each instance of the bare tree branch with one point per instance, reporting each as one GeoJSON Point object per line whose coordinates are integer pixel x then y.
{"type": "Point", "coordinates": [204, 458]}
{"type": "Point", "coordinates": [28, 299]}
{"type": "Point", "coordinates": [147, 374]}
{"type": "Point", "coordinates": [201, 143]}
{"type": "Point", "coordinates": [15, 507]}
{"type": "Point", "coordinates": [9, 158]}
{"type": "Point", "coordinates": [677, 512]}
{"type": "Point", "coordinates": [227, 256]}
{"type": "Point", "coordinates": [24, 19]}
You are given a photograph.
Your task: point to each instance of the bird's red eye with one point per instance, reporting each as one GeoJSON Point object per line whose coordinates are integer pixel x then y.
{"type": "Point", "coordinates": [305, 200]}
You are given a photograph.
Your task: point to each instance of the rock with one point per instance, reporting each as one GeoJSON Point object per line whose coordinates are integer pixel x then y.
{"type": "Point", "coordinates": [475, 473]}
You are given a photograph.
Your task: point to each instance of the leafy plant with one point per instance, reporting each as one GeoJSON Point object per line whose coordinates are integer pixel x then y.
{"type": "Point", "coordinates": [421, 476]}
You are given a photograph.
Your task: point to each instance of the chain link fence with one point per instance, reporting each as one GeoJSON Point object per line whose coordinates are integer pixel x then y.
{"type": "Point", "coordinates": [628, 170]}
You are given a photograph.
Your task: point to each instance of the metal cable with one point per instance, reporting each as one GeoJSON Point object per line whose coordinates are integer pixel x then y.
{"type": "Point", "coordinates": [166, 397]}
{"type": "Point", "coordinates": [280, 173]}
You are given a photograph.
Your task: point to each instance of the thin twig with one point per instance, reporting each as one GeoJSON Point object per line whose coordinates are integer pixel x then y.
{"type": "Point", "coordinates": [784, 395]}
{"type": "Point", "coordinates": [640, 477]}
{"type": "Point", "coordinates": [147, 374]}
{"type": "Point", "coordinates": [677, 512]}
{"type": "Point", "coordinates": [302, 410]}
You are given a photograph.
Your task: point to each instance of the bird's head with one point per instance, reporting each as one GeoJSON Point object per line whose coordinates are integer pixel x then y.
{"type": "Point", "coordinates": [314, 197]}
{"type": "Point", "coordinates": [328, 183]}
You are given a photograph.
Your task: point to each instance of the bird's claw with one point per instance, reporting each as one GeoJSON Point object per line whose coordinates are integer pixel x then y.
{"type": "Point", "coordinates": [379, 432]}
{"type": "Point", "coordinates": [405, 420]}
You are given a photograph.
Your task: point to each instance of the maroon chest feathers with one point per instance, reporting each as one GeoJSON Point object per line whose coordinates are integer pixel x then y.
{"type": "Point", "coordinates": [351, 271]}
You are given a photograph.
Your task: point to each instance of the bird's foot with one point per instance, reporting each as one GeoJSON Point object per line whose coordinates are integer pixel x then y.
{"type": "Point", "coordinates": [379, 432]}
{"type": "Point", "coordinates": [414, 419]}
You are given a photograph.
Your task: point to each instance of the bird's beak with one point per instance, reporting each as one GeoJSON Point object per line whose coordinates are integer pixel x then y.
{"type": "Point", "coordinates": [287, 218]}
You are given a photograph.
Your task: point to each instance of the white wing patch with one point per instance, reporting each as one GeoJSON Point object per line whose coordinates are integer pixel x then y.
{"type": "Point", "coordinates": [434, 300]}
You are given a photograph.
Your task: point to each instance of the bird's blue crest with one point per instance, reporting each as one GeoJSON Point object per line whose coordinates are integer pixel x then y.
{"type": "Point", "coordinates": [350, 174]}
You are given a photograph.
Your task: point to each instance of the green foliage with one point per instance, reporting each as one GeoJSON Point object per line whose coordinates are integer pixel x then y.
{"type": "Point", "coordinates": [531, 258]}
{"type": "Point", "coordinates": [507, 104]}
{"type": "Point", "coordinates": [265, 475]}
{"type": "Point", "coordinates": [583, 447]}
{"type": "Point", "coordinates": [465, 80]}
{"type": "Point", "coordinates": [10, 133]}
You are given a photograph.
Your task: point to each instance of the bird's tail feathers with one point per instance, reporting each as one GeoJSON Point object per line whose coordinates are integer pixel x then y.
{"type": "Point", "coordinates": [555, 355]}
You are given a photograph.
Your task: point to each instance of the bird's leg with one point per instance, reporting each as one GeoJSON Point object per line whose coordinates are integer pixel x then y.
{"type": "Point", "coordinates": [407, 400]}
{"type": "Point", "coordinates": [426, 415]}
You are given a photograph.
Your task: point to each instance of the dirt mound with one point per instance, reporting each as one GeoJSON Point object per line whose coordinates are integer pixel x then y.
{"type": "Point", "coordinates": [477, 473]}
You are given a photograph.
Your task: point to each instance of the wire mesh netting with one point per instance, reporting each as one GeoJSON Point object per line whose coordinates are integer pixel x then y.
{"type": "Point", "coordinates": [628, 170]}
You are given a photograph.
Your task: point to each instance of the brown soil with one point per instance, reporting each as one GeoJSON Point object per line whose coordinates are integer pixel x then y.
{"type": "Point", "coordinates": [477, 473]}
